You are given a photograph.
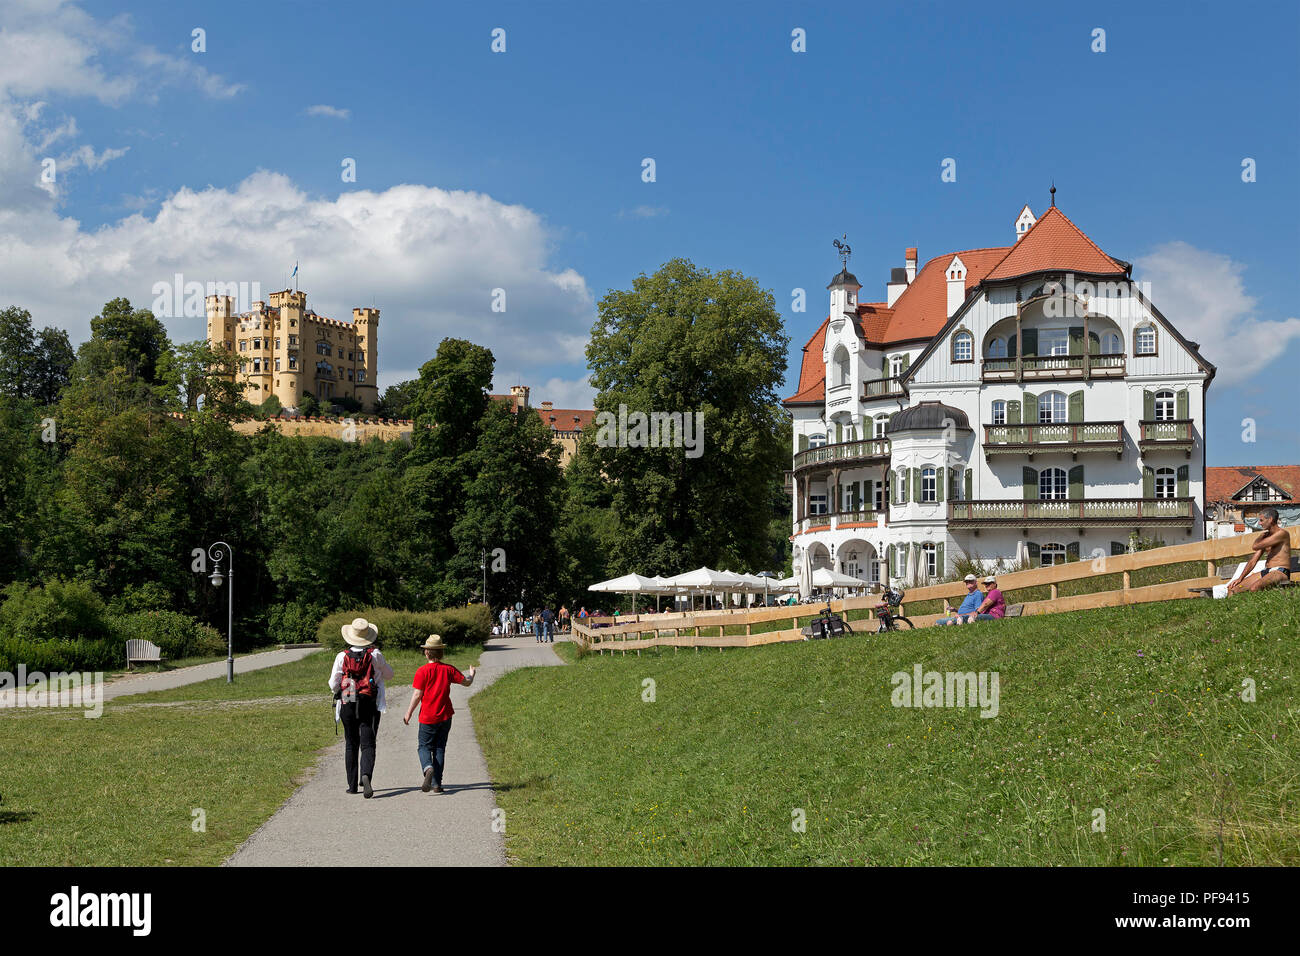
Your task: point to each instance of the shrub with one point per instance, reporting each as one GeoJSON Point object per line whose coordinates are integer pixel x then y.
{"type": "Point", "coordinates": [59, 655]}
{"type": "Point", "coordinates": [408, 629]}
{"type": "Point", "coordinates": [177, 635]}
{"type": "Point", "coordinates": [57, 610]}
{"type": "Point", "coordinates": [294, 623]}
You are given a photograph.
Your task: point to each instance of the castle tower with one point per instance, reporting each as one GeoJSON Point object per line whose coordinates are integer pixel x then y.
{"type": "Point", "coordinates": [366, 322]}
{"type": "Point", "coordinates": [221, 321]}
{"type": "Point", "coordinates": [290, 307]}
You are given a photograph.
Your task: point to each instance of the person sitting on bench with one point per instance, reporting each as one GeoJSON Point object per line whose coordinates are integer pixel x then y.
{"type": "Point", "coordinates": [994, 607]}
{"type": "Point", "coordinates": [1274, 547]}
{"type": "Point", "coordinates": [974, 596]}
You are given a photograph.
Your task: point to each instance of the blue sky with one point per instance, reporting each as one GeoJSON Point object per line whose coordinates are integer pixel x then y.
{"type": "Point", "coordinates": [522, 170]}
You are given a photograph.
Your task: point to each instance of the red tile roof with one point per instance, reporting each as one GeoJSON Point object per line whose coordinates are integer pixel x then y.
{"type": "Point", "coordinates": [560, 419]}
{"type": "Point", "coordinates": [812, 373]}
{"type": "Point", "coordinates": [1054, 242]}
{"type": "Point", "coordinates": [1221, 483]}
{"type": "Point", "coordinates": [922, 309]}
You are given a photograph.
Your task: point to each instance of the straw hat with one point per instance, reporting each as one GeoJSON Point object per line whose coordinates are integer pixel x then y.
{"type": "Point", "coordinates": [360, 633]}
{"type": "Point", "coordinates": [434, 643]}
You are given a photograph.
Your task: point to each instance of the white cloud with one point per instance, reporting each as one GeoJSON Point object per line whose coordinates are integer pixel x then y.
{"type": "Point", "coordinates": [334, 112]}
{"type": "Point", "coordinates": [1203, 295]}
{"type": "Point", "coordinates": [643, 212]}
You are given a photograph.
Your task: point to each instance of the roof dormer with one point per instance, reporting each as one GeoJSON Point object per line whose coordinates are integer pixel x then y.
{"type": "Point", "coordinates": [1025, 221]}
{"type": "Point", "coordinates": [955, 274]}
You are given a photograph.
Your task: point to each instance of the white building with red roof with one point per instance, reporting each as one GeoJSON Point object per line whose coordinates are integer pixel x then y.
{"type": "Point", "coordinates": [1019, 403]}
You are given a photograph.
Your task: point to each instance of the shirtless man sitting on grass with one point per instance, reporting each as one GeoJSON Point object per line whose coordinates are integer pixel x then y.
{"type": "Point", "coordinates": [1274, 547]}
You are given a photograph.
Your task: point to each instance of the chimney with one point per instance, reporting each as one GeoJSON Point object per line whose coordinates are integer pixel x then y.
{"type": "Point", "coordinates": [897, 285]}
{"type": "Point", "coordinates": [547, 406]}
{"type": "Point", "coordinates": [909, 257]}
{"type": "Point", "coordinates": [956, 276]}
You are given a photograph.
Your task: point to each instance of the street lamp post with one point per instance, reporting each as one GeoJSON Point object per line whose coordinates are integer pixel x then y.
{"type": "Point", "coordinates": [482, 563]}
{"type": "Point", "coordinates": [218, 552]}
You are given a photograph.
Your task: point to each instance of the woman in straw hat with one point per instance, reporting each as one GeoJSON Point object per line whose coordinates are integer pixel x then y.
{"type": "Point", "coordinates": [432, 693]}
{"type": "Point", "coordinates": [357, 680]}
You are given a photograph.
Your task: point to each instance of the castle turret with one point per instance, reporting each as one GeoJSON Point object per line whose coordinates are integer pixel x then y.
{"type": "Point", "coordinates": [366, 322]}
{"type": "Point", "coordinates": [221, 321]}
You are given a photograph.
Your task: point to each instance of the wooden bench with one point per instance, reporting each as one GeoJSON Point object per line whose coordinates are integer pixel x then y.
{"type": "Point", "coordinates": [1015, 610]}
{"type": "Point", "coordinates": [142, 652]}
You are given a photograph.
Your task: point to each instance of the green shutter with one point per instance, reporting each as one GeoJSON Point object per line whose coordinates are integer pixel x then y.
{"type": "Point", "coordinates": [1075, 404]}
{"type": "Point", "coordinates": [855, 496]}
{"type": "Point", "coordinates": [1031, 409]}
{"type": "Point", "coordinates": [1148, 482]}
{"type": "Point", "coordinates": [1034, 553]}
{"type": "Point", "coordinates": [907, 360]}
{"type": "Point", "coordinates": [1183, 491]}
{"type": "Point", "coordinates": [1117, 548]}
{"type": "Point", "coordinates": [968, 484]}
{"type": "Point", "coordinates": [1076, 483]}
{"type": "Point", "coordinates": [1148, 406]}
{"type": "Point", "coordinates": [839, 433]}
{"type": "Point", "coordinates": [1013, 412]}
{"type": "Point", "coordinates": [1072, 551]}
{"type": "Point", "coordinates": [1030, 478]}
{"type": "Point", "coordinates": [803, 442]}
{"type": "Point", "coordinates": [939, 568]}
{"type": "Point", "coordinates": [1076, 340]}
{"type": "Point", "coordinates": [1094, 343]}
{"type": "Point", "coordinates": [892, 564]}
{"type": "Point", "coordinates": [1029, 342]}
{"type": "Point", "coordinates": [938, 483]}
{"type": "Point", "coordinates": [1180, 405]}
{"type": "Point", "coordinates": [916, 485]}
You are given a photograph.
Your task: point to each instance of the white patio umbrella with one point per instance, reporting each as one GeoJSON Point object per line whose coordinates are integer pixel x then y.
{"type": "Point", "coordinates": [632, 584]}
{"type": "Point", "coordinates": [826, 578]}
{"type": "Point", "coordinates": [703, 580]}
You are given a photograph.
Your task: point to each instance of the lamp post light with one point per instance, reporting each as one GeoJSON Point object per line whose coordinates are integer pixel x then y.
{"type": "Point", "coordinates": [218, 552]}
{"type": "Point", "coordinates": [482, 563]}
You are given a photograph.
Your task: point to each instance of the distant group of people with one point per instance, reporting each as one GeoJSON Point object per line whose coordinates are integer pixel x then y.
{"type": "Point", "coordinates": [978, 605]}
{"type": "Point", "coordinates": [542, 623]}
{"type": "Point", "coordinates": [358, 680]}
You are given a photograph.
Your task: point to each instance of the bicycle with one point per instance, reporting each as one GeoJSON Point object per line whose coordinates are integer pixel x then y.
{"type": "Point", "coordinates": [827, 625]}
{"type": "Point", "coordinates": [891, 599]}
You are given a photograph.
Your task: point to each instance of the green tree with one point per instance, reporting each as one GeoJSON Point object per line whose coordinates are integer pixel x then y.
{"type": "Point", "coordinates": [685, 340]}
{"type": "Point", "coordinates": [396, 400]}
{"type": "Point", "coordinates": [17, 352]}
{"type": "Point", "coordinates": [52, 366]}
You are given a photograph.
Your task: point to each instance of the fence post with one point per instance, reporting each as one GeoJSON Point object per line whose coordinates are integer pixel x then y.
{"type": "Point", "coordinates": [1052, 588]}
{"type": "Point", "coordinates": [1125, 580]}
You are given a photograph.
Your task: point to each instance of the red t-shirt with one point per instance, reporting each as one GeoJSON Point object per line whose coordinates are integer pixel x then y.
{"type": "Point", "coordinates": [434, 680]}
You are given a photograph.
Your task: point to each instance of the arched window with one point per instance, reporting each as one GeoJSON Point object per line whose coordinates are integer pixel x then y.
{"type": "Point", "coordinates": [928, 488]}
{"type": "Point", "coordinates": [816, 441]}
{"type": "Point", "coordinates": [1051, 554]}
{"type": "Point", "coordinates": [962, 347]}
{"type": "Point", "coordinates": [1165, 483]}
{"type": "Point", "coordinates": [1052, 483]}
{"type": "Point", "coordinates": [1051, 407]}
{"type": "Point", "coordinates": [1144, 340]}
{"type": "Point", "coordinates": [1165, 406]}
{"type": "Point", "coordinates": [896, 366]}
{"type": "Point", "coordinates": [880, 424]}
{"type": "Point", "coordinates": [1111, 344]}
{"type": "Point", "coordinates": [999, 412]}
{"type": "Point", "coordinates": [997, 348]}
{"type": "Point", "coordinates": [841, 374]}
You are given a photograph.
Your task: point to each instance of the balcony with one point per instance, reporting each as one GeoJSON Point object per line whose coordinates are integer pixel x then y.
{"type": "Point", "coordinates": [1053, 368]}
{"type": "Point", "coordinates": [875, 388]}
{"type": "Point", "coordinates": [1046, 437]}
{"type": "Point", "coordinates": [866, 452]}
{"type": "Point", "coordinates": [1174, 434]}
{"type": "Point", "coordinates": [837, 519]}
{"type": "Point", "coordinates": [1073, 513]}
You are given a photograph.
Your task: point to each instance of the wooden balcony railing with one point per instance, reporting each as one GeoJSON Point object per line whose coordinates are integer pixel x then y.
{"type": "Point", "coordinates": [1053, 367]}
{"type": "Point", "coordinates": [837, 518]}
{"type": "Point", "coordinates": [1047, 512]}
{"type": "Point", "coordinates": [881, 388]}
{"type": "Point", "coordinates": [1041, 437]}
{"type": "Point", "coordinates": [865, 450]}
{"type": "Point", "coordinates": [1176, 433]}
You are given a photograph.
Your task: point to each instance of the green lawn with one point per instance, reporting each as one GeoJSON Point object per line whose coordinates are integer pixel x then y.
{"type": "Point", "coordinates": [120, 789]}
{"type": "Point", "coordinates": [1135, 711]}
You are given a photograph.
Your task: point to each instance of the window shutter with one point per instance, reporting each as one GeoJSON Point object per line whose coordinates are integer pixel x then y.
{"type": "Point", "coordinates": [968, 484]}
{"type": "Point", "coordinates": [1076, 406]}
{"type": "Point", "coordinates": [1076, 340]}
{"type": "Point", "coordinates": [803, 442]}
{"type": "Point", "coordinates": [1029, 341]}
{"type": "Point", "coordinates": [916, 485]}
{"type": "Point", "coordinates": [1034, 553]}
{"type": "Point", "coordinates": [938, 483]}
{"type": "Point", "coordinates": [907, 360]}
{"type": "Point", "coordinates": [1182, 481]}
{"type": "Point", "coordinates": [1180, 404]}
{"type": "Point", "coordinates": [1031, 409]}
{"type": "Point", "coordinates": [1094, 343]}
{"type": "Point", "coordinates": [1030, 476]}
{"type": "Point", "coordinates": [1148, 406]}
{"type": "Point", "coordinates": [1076, 482]}
{"type": "Point", "coordinates": [884, 365]}
{"type": "Point", "coordinates": [1013, 412]}
{"type": "Point", "coordinates": [893, 566]}
{"type": "Point", "coordinates": [1072, 551]}
{"type": "Point", "coordinates": [855, 496]}
{"type": "Point", "coordinates": [939, 568]}
{"type": "Point", "coordinates": [839, 433]}
{"type": "Point", "coordinates": [1148, 482]}
{"type": "Point", "coordinates": [1117, 548]}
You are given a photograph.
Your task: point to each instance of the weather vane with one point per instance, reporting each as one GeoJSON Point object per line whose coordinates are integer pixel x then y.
{"type": "Point", "coordinates": [843, 249]}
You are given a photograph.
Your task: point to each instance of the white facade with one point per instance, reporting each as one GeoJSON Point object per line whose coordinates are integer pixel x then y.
{"type": "Point", "coordinates": [1064, 417]}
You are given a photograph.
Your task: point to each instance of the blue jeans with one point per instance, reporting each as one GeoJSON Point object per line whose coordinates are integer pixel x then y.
{"type": "Point", "coordinates": [433, 737]}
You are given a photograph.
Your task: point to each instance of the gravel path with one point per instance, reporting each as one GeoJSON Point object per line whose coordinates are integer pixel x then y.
{"type": "Point", "coordinates": [400, 825]}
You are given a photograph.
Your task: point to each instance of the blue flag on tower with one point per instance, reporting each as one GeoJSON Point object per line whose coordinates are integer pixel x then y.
{"type": "Point", "coordinates": [295, 270]}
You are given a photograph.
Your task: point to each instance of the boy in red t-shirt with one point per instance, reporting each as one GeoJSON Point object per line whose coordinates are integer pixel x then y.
{"type": "Point", "coordinates": [432, 693]}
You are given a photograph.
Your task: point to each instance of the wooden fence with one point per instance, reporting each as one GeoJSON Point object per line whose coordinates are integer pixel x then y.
{"type": "Point", "coordinates": [667, 630]}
